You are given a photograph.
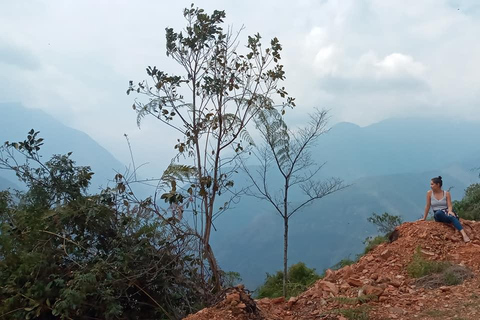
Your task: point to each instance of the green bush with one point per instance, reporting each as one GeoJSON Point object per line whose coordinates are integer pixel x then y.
{"type": "Point", "coordinates": [469, 207]}
{"type": "Point", "coordinates": [373, 242]}
{"type": "Point", "coordinates": [300, 277]}
{"type": "Point", "coordinates": [385, 223]}
{"type": "Point", "coordinates": [65, 254]}
{"type": "Point", "coordinates": [420, 267]}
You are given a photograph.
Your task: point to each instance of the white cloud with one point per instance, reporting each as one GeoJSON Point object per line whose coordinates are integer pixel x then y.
{"type": "Point", "coordinates": [326, 61]}
{"type": "Point", "coordinates": [398, 64]}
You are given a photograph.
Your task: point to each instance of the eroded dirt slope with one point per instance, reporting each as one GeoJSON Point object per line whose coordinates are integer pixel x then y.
{"type": "Point", "coordinates": [378, 285]}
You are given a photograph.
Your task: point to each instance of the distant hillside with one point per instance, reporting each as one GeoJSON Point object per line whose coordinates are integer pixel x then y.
{"type": "Point", "coordinates": [5, 184]}
{"type": "Point", "coordinates": [397, 146]}
{"type": "Point", "coordinates": [249, 239]}
{"type": "Point", "coordinates": [16, 121]}
{"type": "Point", "coordinates": [389, 165]}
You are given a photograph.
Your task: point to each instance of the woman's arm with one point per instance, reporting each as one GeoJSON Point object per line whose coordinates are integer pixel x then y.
{"type": "Point", "coordinates": [427, 206]}
{"type": "Point", "coordinates": [449, 204]}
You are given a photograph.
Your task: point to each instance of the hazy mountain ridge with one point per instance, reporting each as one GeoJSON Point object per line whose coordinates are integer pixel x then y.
{"type": "Point", "coordinates": [17, 120]}
{"type": "Point", "coordinates": [389, 165]}
{"type": "Point", "coordinates": [331, 229]}
{"type": "Point", "coordinates": [396, 146]}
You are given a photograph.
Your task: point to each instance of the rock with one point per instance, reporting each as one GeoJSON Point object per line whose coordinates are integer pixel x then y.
{"type": "Point", "coordinates": [278, 300]}
{"type": "Point", "coordinates": [329, 287]}
{"type": "Point", "coordinates": [329, 275]}
{"type": "Point", "coordinates": [384, 279]}
{"type": "Point", "coordinates": [428, 253]}
{"type": "Point", "coordinates": [397, 310]}
{"type": "Point", "coordinates": [291, 302]}
{"type": "Point", "coordinates": [344, 286]}
{"type": "Point", "coordinates": [372, 290]}
{"type": "Point", "coordinates": [347, 271]}
{"type": "Point", "coordinates": [385, 254]}
{"type": "Point", "coordinates": [232, 298]}
{"type": "Point", "coordinates": [355, 282]}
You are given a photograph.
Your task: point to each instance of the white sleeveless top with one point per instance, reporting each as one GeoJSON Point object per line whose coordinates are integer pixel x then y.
{"type": "Point", "coordinates": [438, 204]}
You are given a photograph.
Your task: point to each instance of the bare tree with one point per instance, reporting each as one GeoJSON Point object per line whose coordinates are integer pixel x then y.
{"type": "Point", "coordinates": [224, 91]}
{"type": "Point", "coordinates": [288, 153]}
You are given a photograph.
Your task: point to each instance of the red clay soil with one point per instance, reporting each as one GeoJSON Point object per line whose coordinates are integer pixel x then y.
{"type": "Point", "coordinates": [377, 287]}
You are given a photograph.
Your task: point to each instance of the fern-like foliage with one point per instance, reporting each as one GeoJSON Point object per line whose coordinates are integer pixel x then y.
{"type": "Point", "coordinates": [275, 132]}
{"type": "Point", "coordinates": [178, 172]}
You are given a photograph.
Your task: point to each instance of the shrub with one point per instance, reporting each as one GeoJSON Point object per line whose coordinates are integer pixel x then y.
{"type": "Point", "coordinates": [65, 254]}
{"type": "Point", "coordinates": [469, 207]}
{"type": "Point", "coordinates": [300, 277]}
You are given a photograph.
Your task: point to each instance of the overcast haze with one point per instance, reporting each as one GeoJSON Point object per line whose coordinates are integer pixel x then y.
{"type": "Point", "coordinates": [364, 60]}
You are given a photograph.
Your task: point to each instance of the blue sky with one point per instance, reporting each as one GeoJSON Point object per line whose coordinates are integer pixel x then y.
{"type": "Point", "coordinates": [364, 60]}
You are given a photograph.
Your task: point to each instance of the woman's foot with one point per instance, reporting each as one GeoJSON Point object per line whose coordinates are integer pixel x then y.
{"type": "Point", "coordinates": [466, 239]}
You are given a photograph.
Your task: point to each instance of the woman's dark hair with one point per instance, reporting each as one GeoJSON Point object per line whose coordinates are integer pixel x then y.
{"type": "Point", "coordinates": [437, 180]}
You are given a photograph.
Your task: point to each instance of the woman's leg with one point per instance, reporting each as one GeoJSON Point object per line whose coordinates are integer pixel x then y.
{"type": "Point", "coordinates": [441, 216]}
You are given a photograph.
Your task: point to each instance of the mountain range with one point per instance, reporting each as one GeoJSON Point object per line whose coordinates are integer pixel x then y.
{"type": "Point", "coordinates": [388, 166]}
{"type": "Point", "coordinates": [16, 121]}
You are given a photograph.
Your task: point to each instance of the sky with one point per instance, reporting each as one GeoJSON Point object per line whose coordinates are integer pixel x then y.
{"type": "Point", "coordinates": [364, 60]}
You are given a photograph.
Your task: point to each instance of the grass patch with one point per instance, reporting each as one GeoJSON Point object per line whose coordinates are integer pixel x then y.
{"type": "Point", "coordinates": [359, 300]}
{"type": "Point", "coordinates": [346, 300]}
{"type": "Point", "coordinates": [434, 274]}
{"type": "Point", "coordinates": [436, 313]}
{"type": "Point", "coordinates": [420, 267]}
{"type": "Point", "coordinates": [367, 298]}
{"type": "Point", "coordinates": [300, 277]}
{"type": "Point", "coordinates": [360, 313]}
{"type": "Point", "coordinates": [371, 243]}
{"type": "Point", "coordinates": [452, 276]}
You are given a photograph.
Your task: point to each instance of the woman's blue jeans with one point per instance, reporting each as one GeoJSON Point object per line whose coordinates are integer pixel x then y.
{"type": "Point", "coordinates": [442, 216]}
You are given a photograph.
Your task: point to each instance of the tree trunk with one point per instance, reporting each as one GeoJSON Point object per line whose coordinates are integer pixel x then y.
{"type": "Point", "coordinates": [213, 267]}
{"type": "Point", "coordinates": [209, 252]}
{"type": "Point", "coordinates": [285, 260]}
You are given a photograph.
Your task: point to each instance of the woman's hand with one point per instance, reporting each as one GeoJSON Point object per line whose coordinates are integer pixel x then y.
{"type": "Point", "coordinates": [450, 213]}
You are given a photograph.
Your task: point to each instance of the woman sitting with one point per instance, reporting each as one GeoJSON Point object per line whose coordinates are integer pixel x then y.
{"type": "Point", "coordinates": [441, 203]}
